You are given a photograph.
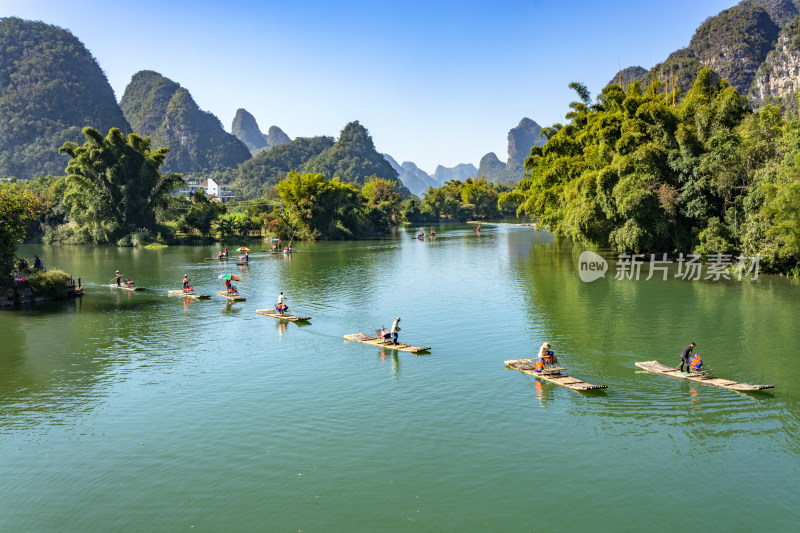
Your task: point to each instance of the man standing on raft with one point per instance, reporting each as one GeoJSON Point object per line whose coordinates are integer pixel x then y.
{"type": "Point", "coordinates": [395, 329]}
{"type": "Point", "coordinates": [686, 353]}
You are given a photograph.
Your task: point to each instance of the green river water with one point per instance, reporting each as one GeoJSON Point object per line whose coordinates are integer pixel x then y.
{"type": "Point", "coordinates": [142, 412]}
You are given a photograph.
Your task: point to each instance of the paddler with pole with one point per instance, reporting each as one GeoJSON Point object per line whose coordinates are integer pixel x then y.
{"type": "Point", "coordinates": [186, 287]}
{"type": "Point", "coordinates": [395, 329]}
{"type": "Point", "coordinates": [685, 357]}
{"type": "Point", "coordinates": [281, 308]}
{"type": "Point", "coordinates": [118, 277]}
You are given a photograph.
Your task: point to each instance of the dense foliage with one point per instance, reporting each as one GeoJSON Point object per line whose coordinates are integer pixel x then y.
{"type": "Point", "coordinates": [50, 88]}
{"type": "Point", "coordinates": [470, 199]}
{"type": "Point", "coordinates": [635, 172]}
{"type": "Point", "coordinates": [16, 211]}
{"type": "Point", "coordinates": [164, 111]}
{"type": "Point", "coordinates": [352, 158]}
{"type": "Point", "coordinates": [270, 166]}
{"type": "Point", "coordinates": [114, 185]}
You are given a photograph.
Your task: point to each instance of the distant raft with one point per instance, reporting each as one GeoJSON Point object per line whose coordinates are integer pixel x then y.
{"type": "Point", "coordinates": [385, 343]}
{"type": "Point", "coordinates": [658, 368]}
{"type": "Point", "coordinates": [189, 294]}
{"type": "Point", "coordinates": [232, 296]}
{"type": "Point", "coordinates": [285, 316]}
{"type": "Point", "coordinates": [553, 375]}
{"type": "Point", "coordinates": [126, 287]}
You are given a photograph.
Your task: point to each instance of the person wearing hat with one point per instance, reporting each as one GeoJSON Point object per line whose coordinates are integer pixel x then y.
{"type": "Point", "coordinates": [118, 278]}
{"type": "Point", "coordinates": [395, 329]}
{"type": "Point", "coordinates": [685, 355]}
{"type": "Point", "coordinates": [546, 355]}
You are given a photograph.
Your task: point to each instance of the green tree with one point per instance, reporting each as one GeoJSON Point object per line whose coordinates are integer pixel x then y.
{"type": "Point", "coordinates": [202, 213]}
{"type": "Point", "coordinates": [383, 195]}
{"type": "Point", "coordinates": [114, 185]}
{"type": "Point", "coordinates": [16, 210]}
{"type": "Point", "coordinates": [322, 208]}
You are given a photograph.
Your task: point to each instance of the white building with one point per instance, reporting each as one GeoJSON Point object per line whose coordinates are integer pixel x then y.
{"type": "Point", "coordinates": [213, 189]}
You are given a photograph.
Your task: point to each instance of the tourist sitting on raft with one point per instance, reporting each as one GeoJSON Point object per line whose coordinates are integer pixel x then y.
{"type": "Point", "coordinates": [546, 358]}
{"type": "Point", "coordinates": [696, 363]}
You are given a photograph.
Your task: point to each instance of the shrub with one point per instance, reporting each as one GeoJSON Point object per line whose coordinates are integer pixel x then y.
{"type": "Point", "coordinates": [49, 283]}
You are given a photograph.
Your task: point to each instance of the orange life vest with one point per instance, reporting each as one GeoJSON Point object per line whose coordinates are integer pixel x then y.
{"type": "Point", "coordinates": [539, 366]}
{"type": "Point", "coordinates": [696, 362]}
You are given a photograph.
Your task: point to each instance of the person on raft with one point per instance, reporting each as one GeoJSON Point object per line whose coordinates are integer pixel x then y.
{"type": "Point", "coordinates": [546, 358]}
{"type": "Point", "coordinates": [186, 282]}
{"type": "Point", "coordinates": [685, 355]}
{"type": "Point", "coordinates": [118, 278]}
{"type": "Point", "coordinates": [395, 330]}
{"type": "Point", "coordinates": [281, 307]}
{"type": "Point", "coordinates": [696, 363]}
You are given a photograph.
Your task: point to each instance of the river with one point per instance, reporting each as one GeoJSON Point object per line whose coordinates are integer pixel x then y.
{"type": "Point", "coordinates": [137, 411]}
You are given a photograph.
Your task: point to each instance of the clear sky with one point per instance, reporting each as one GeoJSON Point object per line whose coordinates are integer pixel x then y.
{"type": "Point", "coordinates": [434, 82]}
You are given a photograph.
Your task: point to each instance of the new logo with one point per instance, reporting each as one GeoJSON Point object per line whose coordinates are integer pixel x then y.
{"type": "Point", "coordinates": [591, 266]}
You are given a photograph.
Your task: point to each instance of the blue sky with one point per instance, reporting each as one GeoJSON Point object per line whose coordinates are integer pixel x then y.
{"type": "Point", "coordinates": [433, 82]}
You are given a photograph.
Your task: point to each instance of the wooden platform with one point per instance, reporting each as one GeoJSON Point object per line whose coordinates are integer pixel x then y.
{"type": "Point", "coordinates": [185, 294]}
{"type": "Point", "coordinates": [284, 316]}
{"type": "Point", "coordinates": [366, 339]}
{"type": "Point", "coordinates": [234, 297]}
{"type": "Point", "coordinates": [553, 375]}
{"type": "Point", "coordinates": [658, 368]}
{"type": "Point", "coordinates": [125, 288]}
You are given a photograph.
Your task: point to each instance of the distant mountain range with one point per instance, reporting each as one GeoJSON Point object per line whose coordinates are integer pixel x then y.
{"type": "Point", "coordinates": [164, 111]}
{"type": "Point", "coordinates": [246, 129]}
{"type": "Point", "coordinates": [51, 87]}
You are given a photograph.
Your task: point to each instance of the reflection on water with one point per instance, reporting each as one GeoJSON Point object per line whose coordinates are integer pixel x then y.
{"type": "Point", "coordinates": [147, 402]}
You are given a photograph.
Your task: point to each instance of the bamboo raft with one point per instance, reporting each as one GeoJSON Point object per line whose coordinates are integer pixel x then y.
{"type": "Point", "coordinates": [551, 374]}
{"type": "Point", "coordinates": [658, 368]}
{"type": "Point", "coordinates": [234, 296]}
{"type": "Point", "coordinates": [284, 316]}
{"type": "Point", "coordinates": [187, 294]}
{"type": "Point", "coordinates": [127, 288]}
{"type": "Point", "coordinates": [385, 343]}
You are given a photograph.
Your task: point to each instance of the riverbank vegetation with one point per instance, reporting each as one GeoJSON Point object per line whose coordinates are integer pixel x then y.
{"type": "Point", "coordinates": [640, 171]}
{"type": "Point", "coordinates": [114, 195]}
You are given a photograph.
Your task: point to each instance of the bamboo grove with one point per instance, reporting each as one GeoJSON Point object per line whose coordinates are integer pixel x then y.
{"type": "Point", "coordinates": [641, 171]}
